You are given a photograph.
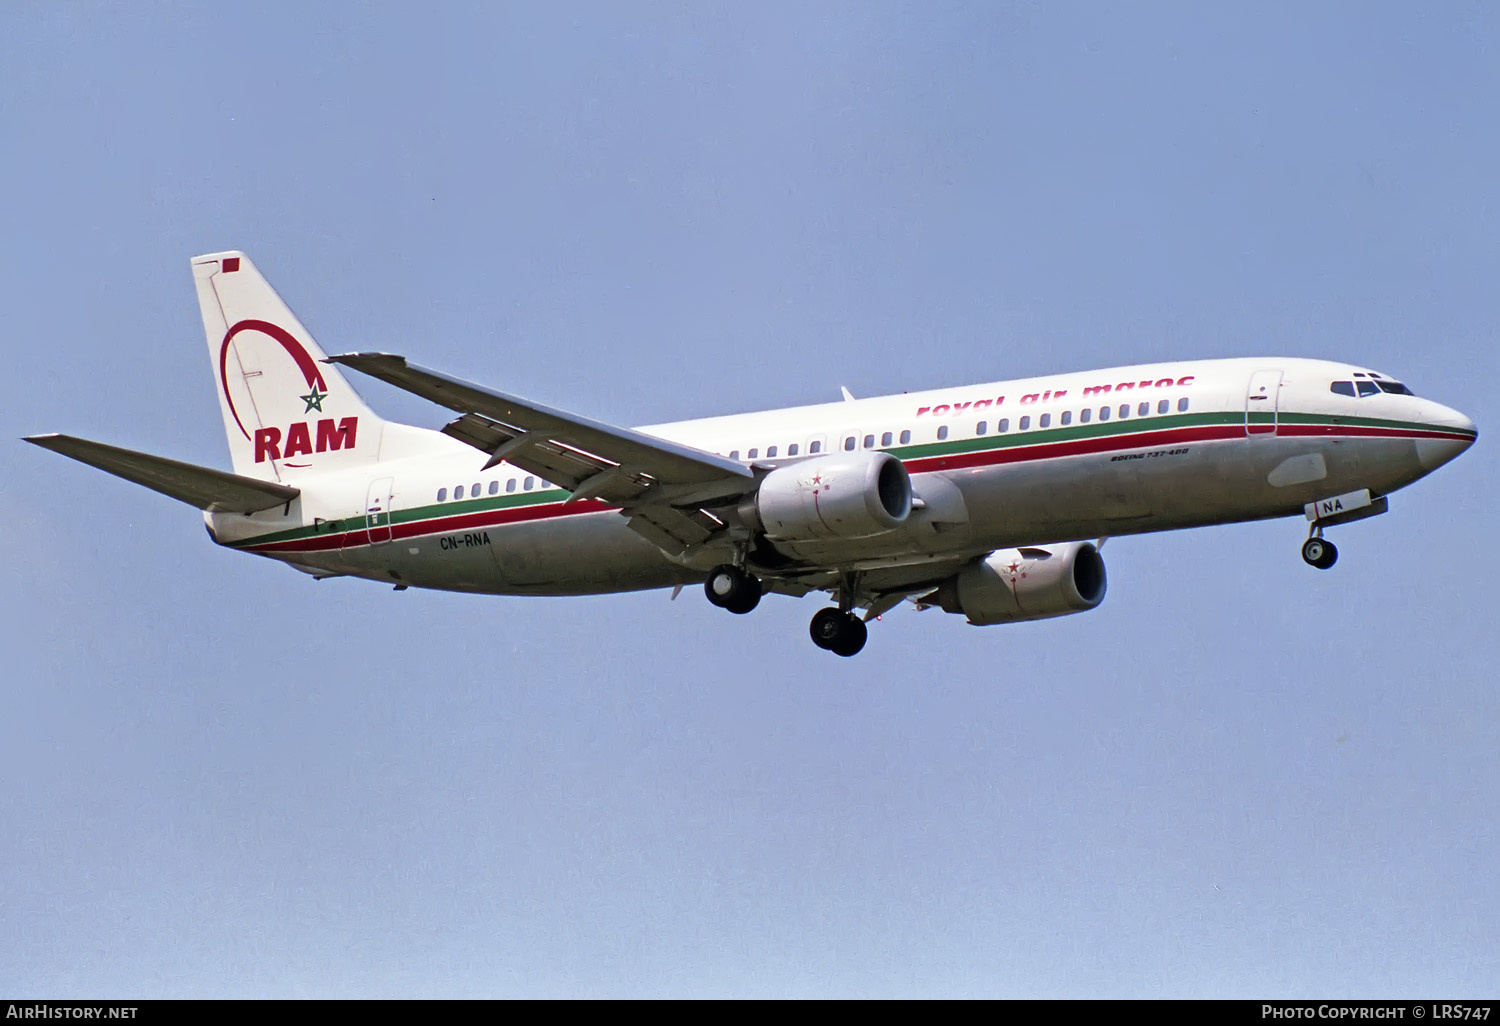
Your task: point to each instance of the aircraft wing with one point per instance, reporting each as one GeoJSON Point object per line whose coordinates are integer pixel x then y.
{"type": "Point", "coordinates": [590, 458]}
{"type": "Point", "coordinates": [214, 490]}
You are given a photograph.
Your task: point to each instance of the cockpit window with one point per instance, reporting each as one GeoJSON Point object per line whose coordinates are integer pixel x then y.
{"type": "Point", "coordinates": [1363, 387]}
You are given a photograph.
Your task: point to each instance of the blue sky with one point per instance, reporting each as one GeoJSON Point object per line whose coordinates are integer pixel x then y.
{"type": "Point", "coordinates": [1238, 777]}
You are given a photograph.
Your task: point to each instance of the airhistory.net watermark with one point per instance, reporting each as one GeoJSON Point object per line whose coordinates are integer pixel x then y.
{"type": "Point", "coordinates": [43, 1010]}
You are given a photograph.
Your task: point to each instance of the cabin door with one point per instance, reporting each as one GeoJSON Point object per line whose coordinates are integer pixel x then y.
{"type": "Point", "coordinates": [378, 510]}
{"type": "Point", "coordinates": [1262, 399]}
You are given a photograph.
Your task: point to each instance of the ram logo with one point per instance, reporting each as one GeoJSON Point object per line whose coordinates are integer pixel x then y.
{"type": "Point", "coordinates": [298, 440]}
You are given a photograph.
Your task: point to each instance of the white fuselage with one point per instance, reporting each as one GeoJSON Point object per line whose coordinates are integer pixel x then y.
{"type": "Point", "coordinates": [1036, 461]}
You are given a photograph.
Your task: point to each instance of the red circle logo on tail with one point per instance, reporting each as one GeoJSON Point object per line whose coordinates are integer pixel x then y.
{"type": "Point", "coordinates": [305, 363]}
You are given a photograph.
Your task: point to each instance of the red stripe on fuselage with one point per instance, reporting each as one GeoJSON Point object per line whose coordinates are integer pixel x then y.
{"type": "Point", "coordinates": [919, 465]}
{"type": "Point", "coordinates": [1078, 447]}
{"type": "Point", "coordinates": [1324, 430]}
{"type": "Point", "coordinates": [439, 525]}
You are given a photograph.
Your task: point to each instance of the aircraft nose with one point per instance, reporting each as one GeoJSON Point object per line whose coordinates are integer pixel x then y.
{"type": "Point", "coordinates": [1455, 433]}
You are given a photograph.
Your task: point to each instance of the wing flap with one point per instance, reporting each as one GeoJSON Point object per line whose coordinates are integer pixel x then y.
{"type": "Point", "coordinates": [537, 453]}
{"type": "Point", "coordinates": [660, 486]}
{"type": "Point", "coordinates": [214, 490]}
{"type": "Point", "coordinates": [671, 530]}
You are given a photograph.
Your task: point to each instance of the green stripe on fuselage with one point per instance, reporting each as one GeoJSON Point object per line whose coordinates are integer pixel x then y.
{"type": "Point", "coordinates": [1071, 433]}
{"type": "Point", "coordinates": [952, 447]}
{"type": "Point", "coordinates": [431, 511]}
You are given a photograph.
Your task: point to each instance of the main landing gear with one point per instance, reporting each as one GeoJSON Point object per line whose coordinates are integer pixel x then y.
{"type": "Point", "coordinates": [837, 631]}
{"type": "Point", "coordinates": [1318, 552]}
{"type": "Point", "coordinates": [731, 588]}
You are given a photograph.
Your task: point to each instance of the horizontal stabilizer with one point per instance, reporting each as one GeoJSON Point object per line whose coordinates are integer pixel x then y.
{"type": "Point", "coordinates": [203, 487]}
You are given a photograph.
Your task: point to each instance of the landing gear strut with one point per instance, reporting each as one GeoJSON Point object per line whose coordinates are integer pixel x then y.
{"type": "Point", "coordinates": [837, 631]}
{"type": "Point", "coordinates": [731, 588]}
{"type": "Point", "coordinates": [1319, 553]}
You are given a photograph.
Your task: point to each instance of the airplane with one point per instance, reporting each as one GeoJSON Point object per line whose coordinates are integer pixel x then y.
{"type": "Point", "coordinates": [990, 501]}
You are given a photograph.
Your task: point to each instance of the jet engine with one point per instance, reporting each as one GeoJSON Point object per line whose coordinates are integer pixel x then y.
{"type": "Point", "coordinates": [1026, 584]}
{"type": "Point", "coordinates": [838, 496]}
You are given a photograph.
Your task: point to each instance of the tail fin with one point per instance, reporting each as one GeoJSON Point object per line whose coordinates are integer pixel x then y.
{"type": "Point", "coordinates": [287, 413]}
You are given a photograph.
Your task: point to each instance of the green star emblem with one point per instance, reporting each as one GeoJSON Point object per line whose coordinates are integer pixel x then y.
{"type": "Point", "coordinates": [314, 400]}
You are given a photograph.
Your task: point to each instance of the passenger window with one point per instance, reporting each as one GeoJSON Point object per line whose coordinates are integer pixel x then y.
{"type": "Point", "coordinates": [1182, 405]}
{"type": "Point", "coordinates": [981, 428]}
{"type": "Point", "coordinates": [1104, 413]}
{"type": "Point", "coordinates": [526, 485]}
{"type": "Point", "coordinates": [458, 493]}
{"type": "Point", "coordinates": [1067, 418]}
{"type": "Point", "coordinates": [1045, 420]}
{"type": "Point", "coordinates": [475, 490]}
{"type": "Point", "coordinates": [815, 447]}
{"type": "Point", "coordinates": [510, 485]}
{"type": "Point", "coordinates": [942, 432]}
{"type": "Point", "coordinates": [1025, 423]}
{"type": "Point", "coordinates": [1003, 426]}
{"type": "Point", "coordinates": [1084, 415]}
{"type": "Point", "coordinates": [1164, 406]}
{"type": "Point", "coordinates": [1366, 388]}
{"type": "Point", "coordinates": [1124, 410]}
{"type": "Point", "coordinates": [849, 444]}
{"type": "Point", "coordinates": [494, 488]}
{"type": "Point", "coordinates": [734, 454]}
{"type": "Point", "coordinates": [442, 495]}
{"type": "Point", "coordinates": [1143, 410]}
{"type": "Point", "coordinates": [771, 453]}
{"type": "Point", "coordinates": [886, 439]}
{"type": "Point", "coordinates": [754, 453]}
{"type": "Point", "coordinates": [869, 441]}
{"type": "Point", "coordinates": [906, 438]}
{"type": "Point", "coordinates": [791, 450]}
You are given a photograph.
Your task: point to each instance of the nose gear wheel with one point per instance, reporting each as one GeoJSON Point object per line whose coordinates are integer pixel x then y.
{"type": "Point", "coordinates": [1319, 553]}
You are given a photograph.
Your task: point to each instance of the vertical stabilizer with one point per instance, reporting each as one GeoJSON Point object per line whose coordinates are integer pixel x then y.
{"type": "Point", "coordinates": [286, 412]}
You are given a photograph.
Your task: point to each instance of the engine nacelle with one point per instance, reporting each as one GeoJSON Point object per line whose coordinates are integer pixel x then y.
{"type": "Point", "coordinates": [841, 495]}
{"type": "Point", "coordinates": [1027, 584]}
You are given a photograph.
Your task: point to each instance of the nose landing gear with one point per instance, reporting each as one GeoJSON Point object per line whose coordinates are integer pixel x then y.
{"type": "Point", "coordinates": [1318, 552]}
{"type": "Point", "coordinates": [1340, 509]}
